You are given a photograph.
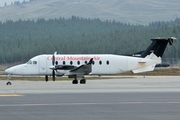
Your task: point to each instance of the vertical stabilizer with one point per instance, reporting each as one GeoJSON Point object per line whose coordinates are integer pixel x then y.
{"type": "Point", "coordinates": [158, 46]}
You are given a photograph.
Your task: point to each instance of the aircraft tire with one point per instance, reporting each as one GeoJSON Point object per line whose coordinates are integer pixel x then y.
{"type": "Point", "coordinates": [8, 83]}
{"type": "Point", "coordinates": [83, 81]}
{"type": "Point", "coordinates": [75, 82]}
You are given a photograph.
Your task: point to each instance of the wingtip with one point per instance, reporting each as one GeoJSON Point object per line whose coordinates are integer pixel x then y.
{"type": "Point", "coordinates": [90, 61]}
{"type": "Point", "coordinates": [55, 53]}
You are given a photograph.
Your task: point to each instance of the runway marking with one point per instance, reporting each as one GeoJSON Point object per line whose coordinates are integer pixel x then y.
{"type": "Point", "coordinates": [10, 95]}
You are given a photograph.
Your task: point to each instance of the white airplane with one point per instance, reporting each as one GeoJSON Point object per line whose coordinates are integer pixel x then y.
{"type": "Point", "coordinates": [78, 65]}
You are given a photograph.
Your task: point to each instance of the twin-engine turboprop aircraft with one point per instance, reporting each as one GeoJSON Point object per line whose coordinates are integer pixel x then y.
{"type": "Point", "coordinates": [77, 66]}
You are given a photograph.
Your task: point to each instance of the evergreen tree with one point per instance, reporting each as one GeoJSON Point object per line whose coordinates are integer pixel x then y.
{"type": "Point", "coordinates": [20, 40]}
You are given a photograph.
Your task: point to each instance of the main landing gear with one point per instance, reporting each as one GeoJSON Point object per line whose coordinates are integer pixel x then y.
{"type": "Point", "coordinates": [75, 81]}
{"type": "Point", "coordinates": [9, 82]}
{"type": "Point", "coordinates": [82, 81]}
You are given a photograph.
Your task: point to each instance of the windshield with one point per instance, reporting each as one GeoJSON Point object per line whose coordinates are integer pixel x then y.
{"type": "Point", "coordinates": [32, 62]}
{"type": "Point", "coordinates": [29, 62]}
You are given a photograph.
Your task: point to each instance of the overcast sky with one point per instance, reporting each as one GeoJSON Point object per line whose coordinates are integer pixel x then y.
{"type": "Point", "coordinates": [8, 2]}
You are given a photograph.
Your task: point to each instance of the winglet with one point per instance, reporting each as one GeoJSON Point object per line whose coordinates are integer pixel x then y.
{"type": "Point", "coordinates": [90, 61]}
{"type": "Point", "coordinates": [82, 66]}
{"type": "Point", "coordinates": [55, 53]}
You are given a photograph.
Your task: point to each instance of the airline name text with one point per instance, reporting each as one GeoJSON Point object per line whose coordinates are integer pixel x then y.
{"type": "Point", "coordinates": [72, 58]}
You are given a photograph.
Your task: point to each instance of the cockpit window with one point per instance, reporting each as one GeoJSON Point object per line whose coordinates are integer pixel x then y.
{"type": "Point", "coordinates": [34, 62]}
{"type": "Point", "coordinates": [29, 62]}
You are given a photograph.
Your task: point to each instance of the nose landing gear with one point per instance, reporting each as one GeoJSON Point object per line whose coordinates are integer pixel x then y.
{"type": "Point", "coordinates": [8, 77]}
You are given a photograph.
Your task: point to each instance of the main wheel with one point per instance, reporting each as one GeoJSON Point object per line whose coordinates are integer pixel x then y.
{"type": "Point", "coordinates": [83, 81]}
{"type": "Point", "coordinates": [75, 82]}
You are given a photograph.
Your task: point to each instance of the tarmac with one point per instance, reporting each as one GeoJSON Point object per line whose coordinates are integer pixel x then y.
{"type": "Point", "coordinates": [131, 98]}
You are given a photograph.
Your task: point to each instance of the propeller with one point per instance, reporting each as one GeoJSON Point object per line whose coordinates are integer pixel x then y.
{"type": "Point", "coordinates": [53, 69]}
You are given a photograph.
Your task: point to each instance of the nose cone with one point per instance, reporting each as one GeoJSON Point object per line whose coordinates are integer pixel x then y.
{"type": "Point", "coordinates": [15, 70]}
{"type": "Point", "coordinates": [9, 71]}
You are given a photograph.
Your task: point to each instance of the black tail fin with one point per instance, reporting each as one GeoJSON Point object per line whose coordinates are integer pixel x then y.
{"type": "Point", "coordinates": [158, 46]}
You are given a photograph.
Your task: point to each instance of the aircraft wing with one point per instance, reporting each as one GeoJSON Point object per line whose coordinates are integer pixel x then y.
{"type": "Point", "coordinates": [64, 67]}
{"type": "Point", "coordinates": [83, 69]}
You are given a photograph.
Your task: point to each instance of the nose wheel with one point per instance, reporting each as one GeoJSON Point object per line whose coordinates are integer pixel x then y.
{"type": "Point", "coordinates": [8, 77]}
{"type": "Point", "coordinates": [8, 83]}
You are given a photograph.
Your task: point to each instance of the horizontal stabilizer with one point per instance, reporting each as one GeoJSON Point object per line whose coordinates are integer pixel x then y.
{"type": "Point", "coordinates": [144, 69]}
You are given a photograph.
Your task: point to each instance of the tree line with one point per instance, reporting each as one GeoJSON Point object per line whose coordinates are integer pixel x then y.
{"type": "Point", "coordinates": [23, 39]}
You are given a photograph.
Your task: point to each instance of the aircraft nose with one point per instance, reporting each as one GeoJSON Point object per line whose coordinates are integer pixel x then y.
{"type": "Point", "coordinates": [9, 71]}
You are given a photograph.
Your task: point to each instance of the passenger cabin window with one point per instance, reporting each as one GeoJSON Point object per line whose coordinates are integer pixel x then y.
{"type": "Point", "coordinates": [107, 62]}
{"type": "Point", "coordinates": [93, 62]}
{"type": "Point", "coordinates": [71, 62]}
{"type": "Point", "coordinates": [64, 62]}
{"type": "Point", "coordinates": [85, 62]}
{"type": "Point", "coordinates": [100, 62]}
{"type": "Point", "coordinates": [78, 62]}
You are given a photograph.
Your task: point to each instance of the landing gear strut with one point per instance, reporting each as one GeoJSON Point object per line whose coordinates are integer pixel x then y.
{"type": "Point", "coordinates": [9, 77]}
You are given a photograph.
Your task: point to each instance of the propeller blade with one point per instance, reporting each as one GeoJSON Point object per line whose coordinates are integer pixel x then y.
{"type": "Point", "coordinates": [53, 60]}
{"type": "Point", "coordinates": [53, 67]}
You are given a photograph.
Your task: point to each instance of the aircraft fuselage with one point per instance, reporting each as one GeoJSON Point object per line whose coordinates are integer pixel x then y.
{"type": "Point", "coordinates": [102, 64]}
